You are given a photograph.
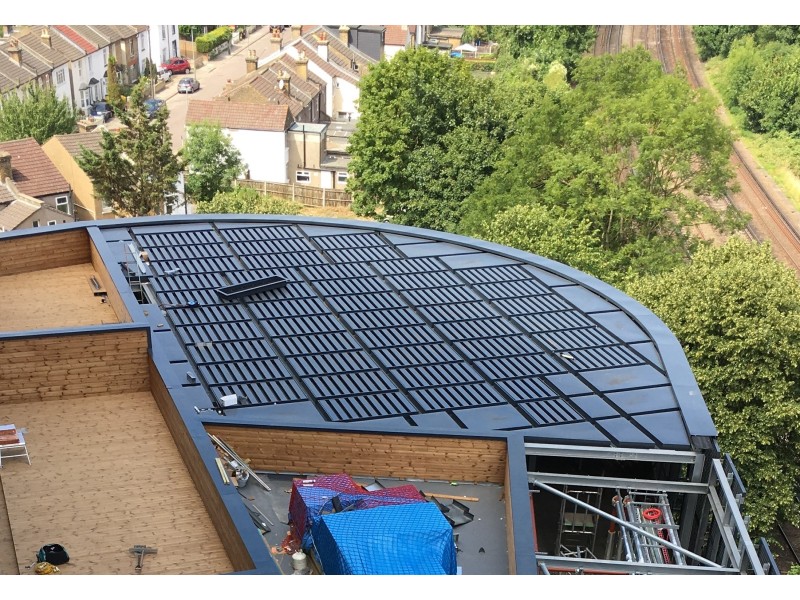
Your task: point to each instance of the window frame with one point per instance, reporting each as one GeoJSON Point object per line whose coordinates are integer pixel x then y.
{"type": "Point", "coordinates": [305, 174]}
{"type": "Point", "coordinates": [59, 204]}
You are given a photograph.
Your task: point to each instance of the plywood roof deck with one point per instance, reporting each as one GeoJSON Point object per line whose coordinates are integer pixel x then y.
{"type": "Point", "coordinates": [52, 298]}
{"type": "Point", "coordinates": [105, 475]}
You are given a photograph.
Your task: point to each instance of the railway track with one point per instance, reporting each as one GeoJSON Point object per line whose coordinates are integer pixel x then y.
{"type": "Point", "coordinates": [671, 46]}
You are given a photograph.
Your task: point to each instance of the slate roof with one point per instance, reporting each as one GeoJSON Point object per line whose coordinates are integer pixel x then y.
{"type": "Point", "coordinates": [32, 170]}
{"type": "Point", "coordinates": [73, 142]}
{"type": "Point", "coordinates": [240, 115]}
{"type": "Point", "coordinates": [61, 52]}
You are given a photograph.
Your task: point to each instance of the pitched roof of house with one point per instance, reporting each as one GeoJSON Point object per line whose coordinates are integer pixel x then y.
{"type": "Point", "coordinates": [73, 142]}
{"type": "Point", "coordinates": [331, 69]}
{"type": "Point", "coordinates": [398, 35]}
{"type": "Point", "coordinates": [60, 51]}
{"type": "Point", "coordinates": [13, 212]}
{"type": "Point", "coordinates": [348, 57]}
{"type": "Point", "coordinates": [76, 38]}
{"type": "Point", "coordinates": [16, 74]}
{"type": "Point", "coordinates": [32, 170]}
{"type": "Point", "coordinates": [240, 115]}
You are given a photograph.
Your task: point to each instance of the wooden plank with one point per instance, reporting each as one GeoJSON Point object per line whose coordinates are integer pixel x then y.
{"type": "Point", "coordinates": [449, 496]}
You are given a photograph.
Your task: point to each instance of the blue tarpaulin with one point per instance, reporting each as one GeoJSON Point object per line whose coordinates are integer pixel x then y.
{"type": "Point", "coordinates": [405, 539]}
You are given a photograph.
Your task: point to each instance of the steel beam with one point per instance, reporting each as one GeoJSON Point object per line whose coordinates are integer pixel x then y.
{"type": "Point", "coordinates": [554, 563]}
{"type": "Point", "coordinates": [648, 455]}
{"type": "Point", "coordinates": [647, 485]}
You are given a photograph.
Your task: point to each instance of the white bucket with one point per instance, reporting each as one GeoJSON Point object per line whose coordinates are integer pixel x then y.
{"type": "Point", "coordinates": [299, 561]}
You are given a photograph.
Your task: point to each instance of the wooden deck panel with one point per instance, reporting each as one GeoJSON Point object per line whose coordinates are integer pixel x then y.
{"type": "Point", "coordinates": [105, 476]}
{"type": "Point", "coordinates": [52, 298]}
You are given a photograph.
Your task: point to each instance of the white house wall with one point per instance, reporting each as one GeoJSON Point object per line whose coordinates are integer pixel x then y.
{"type": "Point", "coordinates": [265, 153]}
{"type": "Point", "coordinates": [63, 87]}
{"type": "Point", "coordinates": [345, 96]}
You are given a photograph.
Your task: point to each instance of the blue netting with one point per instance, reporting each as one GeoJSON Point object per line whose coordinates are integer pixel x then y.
{"type": "Point", "coordinates": [408, 539]}
{"type": "Point", "coordinates": [312, 498]}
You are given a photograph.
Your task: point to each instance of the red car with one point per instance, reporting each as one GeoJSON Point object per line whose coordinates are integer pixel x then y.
{"type": "Point", "coordinates": [177, 65]}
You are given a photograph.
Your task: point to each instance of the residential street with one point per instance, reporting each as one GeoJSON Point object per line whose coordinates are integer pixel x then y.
{"type": "Point", "coordinates": [212, 77]}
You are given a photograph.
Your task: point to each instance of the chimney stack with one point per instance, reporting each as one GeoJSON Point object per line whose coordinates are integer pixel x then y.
{"type": "Point", "coordinates": [301, 66]}
{"type": "Point", "coordinates": [251, 61]}
{"type": "Point", "coordinates": [5, 166]}
{"type": "Point", "coordinates": [276, 42]}
{"type": "Point", "coordinates": [344, 34]}
{"type": "Point", "coordinates": [46, 38]}
{"type": "Point", "coordinates": [296, 30]}
{"type": "Point", "coordinates": [322, 47]}
{"type": "Point", "coordinates": [284, 82]}
{"type": "Point", "coordinates": [14, 51]}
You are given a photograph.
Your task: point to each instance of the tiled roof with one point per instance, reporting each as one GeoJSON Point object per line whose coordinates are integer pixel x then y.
{"type": "Point", "coordinates": [338, 52]}
{"type": "Point", "coordinates": [240, 115]}
{"type": "Point", "coordinates": [334, 70]}
{"type": "Point", "coordinates": [92, 34]}
{"type": "Point", "coordinates": [76, 38]}
{"type": "Point", "coordinates": [397, 35]}
{"type": "Point", "coordinates": [17, 211]}
{"type": "Point", "coordinates": [73, 142]}
{"type": "Point", "coordinates": [60, 51]}
{"type": "Point", "coordinates": [32, 171]}
{"type": "Point", "coordinates": [301, 91]}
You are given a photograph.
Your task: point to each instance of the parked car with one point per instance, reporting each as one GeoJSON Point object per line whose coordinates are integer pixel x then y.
{"type": "Point", "coordinates": [103, 110]}
{"type": "Point", "coordinates": [188, 85]}
{"type": "Point", "coordinates": [164, 74]}
{"type": "Point", "coordinates": [151, 105]}
{"type": "Point", "coordinates": [177, 64]}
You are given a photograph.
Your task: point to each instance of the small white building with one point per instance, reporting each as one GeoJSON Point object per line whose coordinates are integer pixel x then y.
{"type": "Point", "coordinates": [158, 44]}
{"type": "Point", "coordinates": [258, 131]}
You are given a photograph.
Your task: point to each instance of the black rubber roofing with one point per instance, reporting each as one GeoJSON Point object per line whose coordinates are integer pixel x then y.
{"type": "Point", "coordinates": [408, 329]}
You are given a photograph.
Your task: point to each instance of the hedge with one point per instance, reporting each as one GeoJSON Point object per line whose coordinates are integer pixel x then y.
{"type": "Point", "coordinates": [206, 43]}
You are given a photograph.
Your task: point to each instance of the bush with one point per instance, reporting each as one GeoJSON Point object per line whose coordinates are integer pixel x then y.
{"type": "Point", "coordinates": [206, 43]}
{"type": "Point", "coordinates": [249, 202]}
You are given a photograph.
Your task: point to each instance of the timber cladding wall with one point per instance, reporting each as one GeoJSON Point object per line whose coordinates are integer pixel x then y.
{"type": "Point", "coordinates": [73, 366]}
{"type": "Point", "coordinates": [234, 547]}
{"type": "Point", "coordinates": [114, 299]}
{"type": "Point", "coordinates": [44, 250]}
{"type": "Point", "coordinates": [367, 454]}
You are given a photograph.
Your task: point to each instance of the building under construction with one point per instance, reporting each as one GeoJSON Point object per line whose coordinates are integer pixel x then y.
{"type": "Point", "coordinates": [553, 421]}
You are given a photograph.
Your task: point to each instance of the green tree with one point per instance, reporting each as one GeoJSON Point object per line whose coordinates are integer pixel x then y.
{"type": "Point", "coordinates": [212, 161]}
{"type": "Point", "coordinates": [425, 120]}
{"type": "Point", "coordinates": [241, 200]}
{"type": "Point", "coordinates": [716, 40]}
{"type": "Point", "coordinates": [39, 114]}
{"type": "Point", "coordinates": [771, 98]}
{"type": "Point", "coordinates": [113, 93]}
{"type": "Point", "coordinates": [736, 311]}
{"type": "Point", "coordinates": [136, 170]}
{"type": "Point", "coordinates": [544, 44]}
{"type": "Point", "coordinates": [552, 234]}
{"type": "Point", "coordinates": [630, 149]}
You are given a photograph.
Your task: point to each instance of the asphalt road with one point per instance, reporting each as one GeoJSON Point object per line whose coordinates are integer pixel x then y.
{"type": "Point", "coordinates": [213, 76]}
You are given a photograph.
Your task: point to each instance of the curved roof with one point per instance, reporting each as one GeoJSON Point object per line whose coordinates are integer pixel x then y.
{"type": "Point", "coordinates": [402, 329]}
